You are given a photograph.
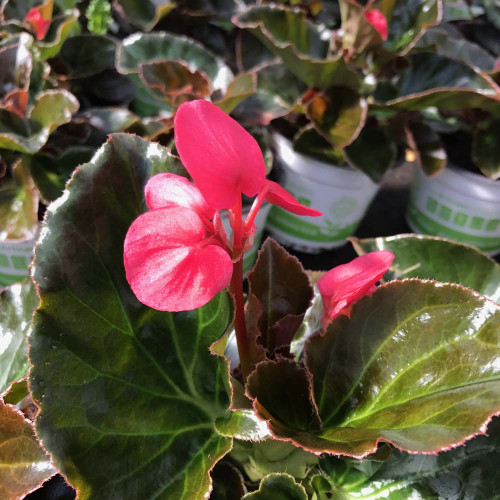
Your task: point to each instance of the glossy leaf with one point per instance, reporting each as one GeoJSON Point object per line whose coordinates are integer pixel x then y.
{"type": "Point", "coordinates": [381, 157]}
{"type": "Point", "coordinates": [128, 395]}
{"type": "Point", "coordinates": [408, 21]}
{"type": "Point", "coordinates": [144, 13]}
{"type": "Point", "coordinates": [60, 29]}
{"type": "Point", "coordinates": [442, 343]}
{"type": "Point", "coordinates": [278, 487]}
{"type": "Point", "coordinates": [338, 114]}
{"type": "Point", "coordinates": [486, 150]}
{"type": "Point", "coordinates": [443, 82]}
{"type": "Point", "coordinates": [51, 173]}
{"type": "Point", "coordinates": [278, 91]}
{"type": "Point", "coordinates": [242, 424]}
{"type": "Point", "coordinates": [468, 472]}
{"type": "Point", "coordinates": [309, 142]}
{"type": "Point", "coordinates": [141, 48]}
{"type": "Point", "coordinates": [110, 120]}
{"type": "Point", "coordinates": [18, 206]}
{"type": "Point", "coordinates": [17, 303]}
{"type": "Point", "coordinates": [299, 44]}
{"type": "Point", "coordinates": [86, 55]}
{"type": "Point", "coordinates": [16, 392]}
{"type": "Point", "coordinates": [52, 108]}
{"type": "Point", "coordinates": [17, 64]}
{"type": "Point", "coordinates": [281, 312]}
{"type": "Point", "coordinates": [431, 257]}
{"type": "Point", "coordinates": [25, 465]}
{"type": "Point", "coordinates": [427, 146]}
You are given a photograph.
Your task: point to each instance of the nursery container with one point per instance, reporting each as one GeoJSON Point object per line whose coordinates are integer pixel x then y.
{"type": "Point", "coordinates": [458, 205]}
{"type": "Point", "coordinates": [15, 257]}
{"type": "Point", "coordinates": [341, 193]}
{"type": "Point", "coordinates": [250, 256]}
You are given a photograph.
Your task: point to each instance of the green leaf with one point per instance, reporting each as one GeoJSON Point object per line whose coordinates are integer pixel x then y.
{"type": "Point", "coordinates": [486, 150]}
{"type": "Point", "coordinates": [128, 395]}
{"type": "Point", "coordinates": [144, 13]}
{"type": "Point", "coordinates": [99, 16]}
{"type": "Point", "coordinates": [309, 142]}
{"type": "Point", "coordinates": [338, 114]}
{"type": "Point", "coordinates": [372, 153]}
{"type": "Point", "coordinates": [408, 21]}
{"type": "Point", "coordinates": [110, 120]}
{"type": "Point", "coordinates": [52, 109]}
{"type": "Point", "coordinates": [492, 10]}
{"type": "Point", "coordinates": [275, 273]}
{"type": "Point", "coordinates": [299, 44]}
{"type": "Point", "coordinates": [142, 48]}
{"type": "Point", "coordinates": [60, 29]}
{"type": "Point", "coordinates": [86, 55]}
{"type": "Point", "coordinates": [468, 472]}
{"type": "Point", "coordinates": [17, 303]}
{"type": "Point", "coordinates": [18, 206]}
{"type": "Point", "coordinates": [243, 86]}
{"type": "Point", "coordinates": [278, 487]}
{"type": "Point", "coordinates": [443, 82]}
{"type": "Point", "coordinates": [25, 466]}
{"type": "Point", "coordinates": [51, 173]}
{"type": "Point", "coordinates": [16, 392]}
{"type": "Point", "coordinates": [17, 64]}
{"type": "Point", "coordinates": [427, 146]}
{"type": "Point", "coordinates": [228, 482]}
{"type": "Point", "coordinates": [414, 365]}
{"type": "Point", "coordinates": [430, 257]}
{"type": "Point", "coordinates": [278, 91]}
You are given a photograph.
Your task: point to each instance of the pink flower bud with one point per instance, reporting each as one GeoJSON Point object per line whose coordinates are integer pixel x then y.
{"type": "Point", "coordinates": [378, 21]}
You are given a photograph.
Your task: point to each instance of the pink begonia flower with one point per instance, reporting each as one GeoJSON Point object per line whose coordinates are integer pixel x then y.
{"type": "Point", "coordinates": [40, 25]}
{"type": "Point", "coordinates": [378, 21]}
{"type": "Point", "coordinates": [173, 261]}
{"type": "Point", "coordinates": [177, 256]}
{"type": "Point", "coordinates": [344, 284]}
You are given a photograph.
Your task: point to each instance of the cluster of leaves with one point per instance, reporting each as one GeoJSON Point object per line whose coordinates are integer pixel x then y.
{"type": "Point", "coordinates": [424, 86]}
{"type": "Point", "coordinates": [141, 403]}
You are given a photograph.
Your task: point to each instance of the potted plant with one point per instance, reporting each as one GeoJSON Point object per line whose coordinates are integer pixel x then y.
{"type": "Point", "coordinates": [136, 398]}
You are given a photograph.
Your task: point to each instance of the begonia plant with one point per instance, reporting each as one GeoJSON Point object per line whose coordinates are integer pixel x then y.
{"type": "Point", "coordinates": [140, 289]}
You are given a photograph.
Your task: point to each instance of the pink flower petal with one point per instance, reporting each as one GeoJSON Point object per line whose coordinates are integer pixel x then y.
{"type": "Point", "coordinates": [223, 159]}
{"type": "Point", "coordinates": [41, 26]}
{"type": "Point", "coordinates": [378, 21]}
{"type": "Point", "coordinates": [345, 284]}
{"type": "Point", "coordinates": [170, 263]}
{"type": "Point", "coordinates": [167, 190]}
{"type": "Point", "coordinates": [281, 197]}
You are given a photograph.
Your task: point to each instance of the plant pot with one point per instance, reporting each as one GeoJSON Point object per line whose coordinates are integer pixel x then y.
{"type": "Point", "coordinates": [458, 205]}
{"type": "Point", "coordinates": [341, 193]}
{"type": "Point", "coordinates": [15, 257]}
{"type": "Point", "coordinates": [260, 222]}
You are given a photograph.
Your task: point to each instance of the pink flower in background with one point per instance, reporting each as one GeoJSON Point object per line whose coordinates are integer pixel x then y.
{"type": "Point", "coordinates": [344, 284]}
{"type": "Point", "coordinates": [39, 24]}
{"type": "Point", "coordinates": [378, 21]}
{"type": "Point", "coordinates": [176, 255]}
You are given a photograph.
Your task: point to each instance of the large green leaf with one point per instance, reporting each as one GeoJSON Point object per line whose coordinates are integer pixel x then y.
{"type": "Point", "coordinates": [17, 303]}
{"type": "Point", "coordinates": [443, 82]}
{"type": "Point", "coordinates": [338, 114]}
{"type": "Point", "coordinates": [469, 472]}
{"type": "Point", "coordinates": [60, 29]}
{"type": "Point", "coordinates": [299, 44]}
{"type": "Point", "coordinates": [128, 395]}
{"type": "Point", "coordinates": [416, 364]}
{"type": "Point", "coordinates": [52, 108]}
{"type": "Point", "coordinates": [141, 48]}
{"type": "Point", "coordinates": [278, 487]}
{"type": "Point", "coordinates": [24, 464]}
{"type": "Point", "coordinates": [144, 13]}
{"type": "Point", "coordinates": [408, 21]}
{"type": "Point", "coordinates": [486, 150]}
{"type": "Point", "coordinates": [430, 257]}
{"type": "Point", "coordinates": [243, 86]}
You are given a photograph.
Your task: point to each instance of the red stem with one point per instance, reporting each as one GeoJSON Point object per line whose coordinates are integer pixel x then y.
{"type": "Point", "coordinates": [236, 290]}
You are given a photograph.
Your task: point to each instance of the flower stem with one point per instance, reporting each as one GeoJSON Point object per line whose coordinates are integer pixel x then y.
{"type": "Point", "coordinates": [236, 290]}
